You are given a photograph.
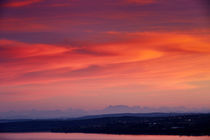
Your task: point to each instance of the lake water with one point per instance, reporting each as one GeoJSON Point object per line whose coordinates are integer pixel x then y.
{"type": "Point", "coordinates": [81, 136]}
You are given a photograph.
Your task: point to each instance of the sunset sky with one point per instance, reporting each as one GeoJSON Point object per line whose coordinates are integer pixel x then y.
{"type": "Point", "coordinates": [60, 54]}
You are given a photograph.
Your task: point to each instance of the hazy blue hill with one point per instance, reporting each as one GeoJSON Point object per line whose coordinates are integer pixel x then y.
{"type": "Point", "coordinates": [156, 114]}
{"type": "Point", "coordinates": [112, 109]}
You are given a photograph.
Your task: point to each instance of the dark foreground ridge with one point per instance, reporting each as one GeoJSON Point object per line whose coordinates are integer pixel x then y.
{"type": "Point", "coordinates": [165, 124]}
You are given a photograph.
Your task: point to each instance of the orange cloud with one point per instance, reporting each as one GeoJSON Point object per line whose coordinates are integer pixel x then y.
{"type": "Point", "coordinates": [146, 66]}
{"type": "Point", "coordinates": [20, 3]}
{"type": "Point", "coordinates": [16, 49]}
{"type": "Point", "coordinates": [174, 58]}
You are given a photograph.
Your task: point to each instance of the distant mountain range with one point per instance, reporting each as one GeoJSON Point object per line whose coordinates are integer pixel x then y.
{"type": "Point", "coordinates": [74, 113]}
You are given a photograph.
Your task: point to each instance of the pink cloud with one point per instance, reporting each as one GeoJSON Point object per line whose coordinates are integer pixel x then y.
{"type": "Point", "coordinates": [14, 49]}
{"type": "Point", "coordinates": [142, 2]}
{"type": "Point", "coordinates": [20, 3]}
{"type": "Point", "coordinates": [145, 63]}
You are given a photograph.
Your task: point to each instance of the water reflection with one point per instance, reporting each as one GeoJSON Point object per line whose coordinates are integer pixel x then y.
{"type": "Point", "coordinates": [81, 136]}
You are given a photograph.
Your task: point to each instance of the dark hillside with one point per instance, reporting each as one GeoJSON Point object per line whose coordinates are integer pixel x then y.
{"type": "Point", "coordinates": [191, 124]}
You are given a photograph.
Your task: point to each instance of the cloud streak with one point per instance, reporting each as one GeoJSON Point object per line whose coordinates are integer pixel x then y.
{"type": "Point", "coordinates": [19, 3]}
{"type": "Point", "coordinates": [43, 62]}
{"type": "Point", "coordinates": [142, 2]}
{"type": "Point", "coordinates": [80, 53]}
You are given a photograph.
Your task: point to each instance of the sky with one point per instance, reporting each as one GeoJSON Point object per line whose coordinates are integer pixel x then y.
{"type": "Point", "coordinates": [88, 54]}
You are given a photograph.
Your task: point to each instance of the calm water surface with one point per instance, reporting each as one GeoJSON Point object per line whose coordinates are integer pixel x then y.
{"type": "Point", "coordinates": [80, 136]}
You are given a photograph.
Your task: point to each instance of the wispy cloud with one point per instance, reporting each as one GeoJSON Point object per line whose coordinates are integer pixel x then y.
{"type": "Point", "coordinates": [68, 51]}
{"type": "Point", "coordinates": [151, 51]}
{"type": "Point", "coordinates": [19, 3]}
{"type": "Point", "coordinates": [142, 2]}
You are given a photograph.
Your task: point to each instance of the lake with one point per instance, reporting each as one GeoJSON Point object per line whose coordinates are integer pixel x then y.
{"type": "Point", "coordinates": [81, 136]}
